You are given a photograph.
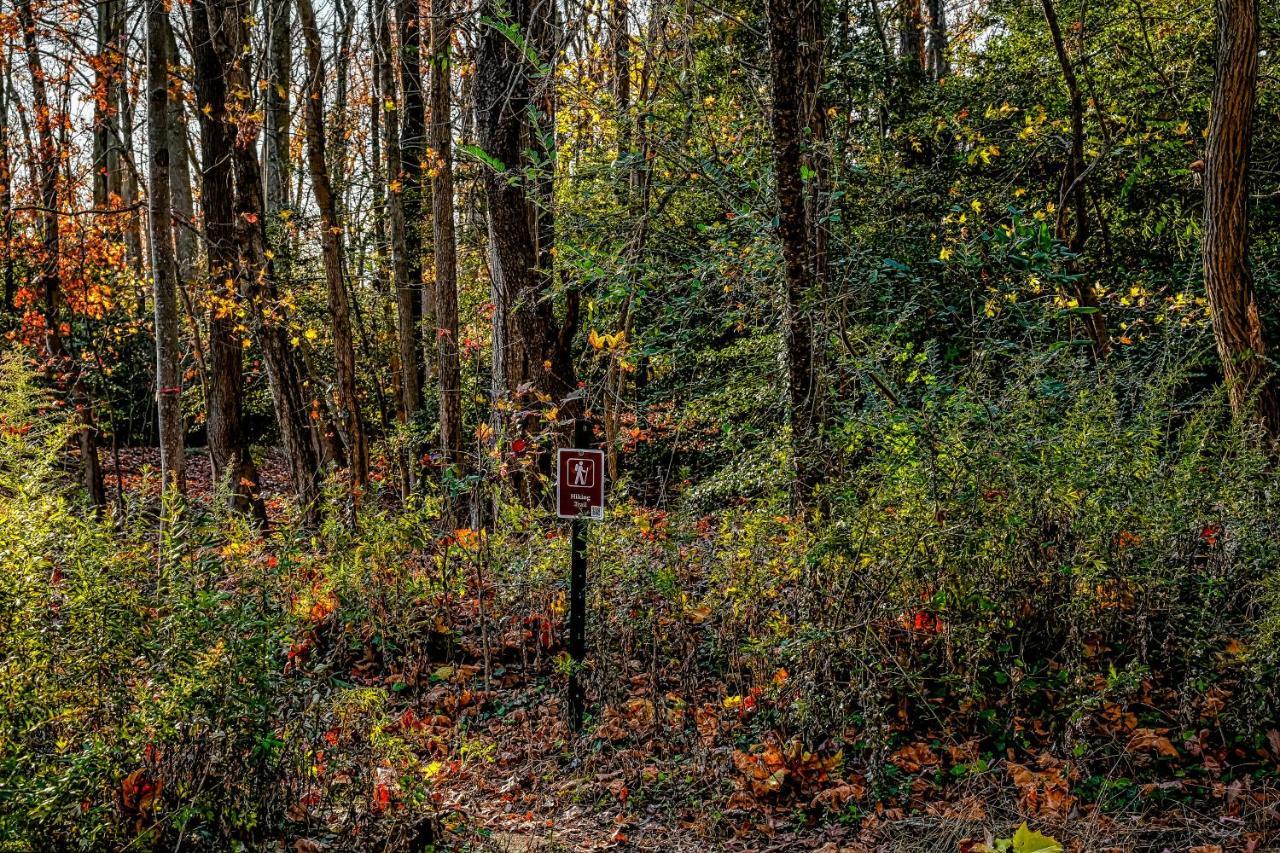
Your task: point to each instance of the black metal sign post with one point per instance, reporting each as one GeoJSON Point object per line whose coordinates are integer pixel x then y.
{"type": "Point", "coordinates": [577, 619]}
{"type": "Point", "coordinates": [579, 496]}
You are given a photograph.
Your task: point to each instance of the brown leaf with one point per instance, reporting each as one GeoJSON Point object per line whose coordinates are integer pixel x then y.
{"type": "Point", "coordinates": [1151, 740]}
{"type": "Point", "coordinates": [914, 757]}
{"type": "Point", "coordinates": [1273, 741]}
{"type": "Point", "coordinates": [698, 615]}
{"type": "Point", "coordinates": [837, 796]}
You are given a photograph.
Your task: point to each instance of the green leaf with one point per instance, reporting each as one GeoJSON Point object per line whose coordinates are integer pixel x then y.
{"type": "Point", "coordinates": [484, 157]}
{"type": "Point", "coordinates": [512, 33]}
{"type": "Point", "coordinates": [1027, 840]}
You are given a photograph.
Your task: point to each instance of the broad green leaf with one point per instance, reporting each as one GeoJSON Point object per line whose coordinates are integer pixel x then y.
{"type": "Point", "coordinates": [484, 157]}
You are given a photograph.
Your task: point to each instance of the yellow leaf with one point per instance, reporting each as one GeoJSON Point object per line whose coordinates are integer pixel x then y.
{"type": "Point", "coordinates": [1027, 840]}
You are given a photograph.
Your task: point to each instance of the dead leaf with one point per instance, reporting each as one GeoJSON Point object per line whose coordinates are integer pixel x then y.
{"type": "Point", "coordinates": [914, 757]}
{"type": "Point", "coordinates": [1151, 740]}
{"type": "Point", "coordinates": [837, 796]}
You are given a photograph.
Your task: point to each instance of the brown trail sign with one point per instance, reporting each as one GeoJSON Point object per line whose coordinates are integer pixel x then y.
{"type": "Point", "coordinates": [580, 483]}
{"type": "Point", "coordinates": [579, 496]}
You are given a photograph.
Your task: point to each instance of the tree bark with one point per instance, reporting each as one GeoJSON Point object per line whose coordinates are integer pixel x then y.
{"type": "Point", "coordinates": [411, 295]}
{"type": "Point", "coordinates": [405, 373]}
{"type": "Point", "coordinates": [911, 36]}
{"type": "Point", "coordinates": [129, 178]}
{"type": "Point", "coordinates": [446, 257]}
{"type": "Point", "coordinates": [525, 351]}
{"type": "Point", "coordinates": [6, 184]}
{"type": "Point", "coordinates": [331, 250]}
{"type": "Point", "coordinates": [184, 234]}
{"type": "Point", "coordinates": [1072, 198]}
{"type": "Point", "coordinates": [275, 137]}
{"type": "Point", "coordinates": [1228, 279]}
{"type": "Point", "coordinates": [786, 23]}
{"type": "Point", "coordinates": [104, 83]}
{"type": "Point", "coordinates": [935, 59]}
{"type": "Point", "coordinates": [620, 77]}
{"type": "Point", "coordinates": [164, 271]}
{"type": "Point", "coordinates": [229, 455]}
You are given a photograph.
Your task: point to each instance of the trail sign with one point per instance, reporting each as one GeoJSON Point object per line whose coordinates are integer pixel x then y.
{"type": "Point", "coordinates": [580, 483]}
{"type": "Point", "coordinates": [579, 496]}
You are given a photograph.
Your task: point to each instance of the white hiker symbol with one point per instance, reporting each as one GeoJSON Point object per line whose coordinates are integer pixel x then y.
{"type": "Point", "coordinates": [581, 473]}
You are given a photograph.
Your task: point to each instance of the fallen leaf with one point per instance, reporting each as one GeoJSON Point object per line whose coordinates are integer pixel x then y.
{"type": "Point", "coordinates": [1027, 840]}
{"type": "Point", "coordinates": [1152, 740]}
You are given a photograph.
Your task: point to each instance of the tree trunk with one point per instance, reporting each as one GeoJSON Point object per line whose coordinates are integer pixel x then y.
{"type": "Point", "coordinates": [257, 281]}
{"type": "Point", "coordinates": [345, 16]}
{"type": "Point", "coordinates": [129, 179]}
{"type": "Point", "coordinates": [935, 59]}
{"type": "Point", "coordinates": [523, 340]}
{"type": "Point", "coordinates": [6, 181]}
{"type": "Point", "coordinates": [446, 256]}
{"type": "Point", "coordinates": [1228, 280]}
{"type": "Point", "coordinates": [164, 271]}
{"type": "Point", "coordinates": [1072, 199]}
{"type": "Point", "coordinates": [229, 455]}
{"type": "Point", "coordinates": [405, 374]}
{"type": "Point", "coordinates": [331, 249]}
{"type": "Point", "coordinates": [620, 44]}
{"type": "Point", "coordinates": [911, 37]}
{"type": "Point", "coordinates": [411, 295]}
{"type": "Point", "coordinates": [104, 132]}
{"type": "Point", "coordinates": [184, 234]}
{"type": "Point", "coordinates": [787, 20]}
{"type": "Point", "coordinates": [275, 140]}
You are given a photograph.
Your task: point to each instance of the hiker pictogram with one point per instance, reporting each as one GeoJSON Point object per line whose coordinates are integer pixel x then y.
{"type": "Point", "coordinates": [580, 483]}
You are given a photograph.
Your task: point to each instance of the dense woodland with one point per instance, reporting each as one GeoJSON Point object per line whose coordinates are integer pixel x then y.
{"type": "Point", "coordinates": [928, 343]}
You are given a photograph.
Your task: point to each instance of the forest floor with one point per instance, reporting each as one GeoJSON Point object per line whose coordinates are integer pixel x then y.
{"type": "Point", "coordinates": [690, 770]}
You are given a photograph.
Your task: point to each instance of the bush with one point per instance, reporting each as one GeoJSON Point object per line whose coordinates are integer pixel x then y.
{"type": "Point", "coordinates": [1020, 563]}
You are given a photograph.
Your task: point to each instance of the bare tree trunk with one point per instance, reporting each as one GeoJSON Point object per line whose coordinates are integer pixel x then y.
{"type": "Point", "coordinates": [411, 294]}
{"type": "Point", "coordinates": [620, 43]}
{"type": "Point", "coordinates": [1228, 279]}
{"type": "Point", "coordinates": [405, 374]}
{"type": "Point", "coordinates": [6, 181]}
{"type": "Point", "coordinates": [911, 37]}
{"type": "Point", "coordinates": [1072, 198]}
{"type": "Point", "coordinates": [184, 235]}
{"type": "Point", "coordinates": [446, 253]}
{"type": "Point", "coordinates": [130, 175]}
{"type": "Point", "coordinates": [345, 16]}
{"type": "Point", "coordinates": [813, 118]}
{"type": "Point", "coordinates": [275, 140]}
{"type": "Point", "coordinates": [103, 113]}
{"type": "Point", "coordinates": [298, 431]}
{"type": "Point", "coordinates": [935, 59]}
{"type": "Point", "coordinates": [792, 78]}
{"type": "Point", "coordinates": [229, 454]}
{"type": "Point", "coordinates": [514, 105]}
{"type": "Point", "coordinates": [523, 340]}
{"type": "Point", "coordinates": [262, 194]}
{"type": "Point", "coordinates": [164, 271]}
{"type": "Point", "coordinates": [331, 249]}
